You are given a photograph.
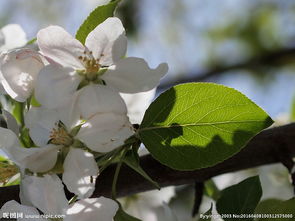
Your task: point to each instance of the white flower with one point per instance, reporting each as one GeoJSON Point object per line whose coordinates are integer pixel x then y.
{"type": "Point", "coordinates": [105, 127]}
{"type": "Point", "coordinates": [18, 71]}
{"type": "Point", "coordinates": [47, 194]}
{"type": "Point", "coordinates": [144, 205]}
{"type": "Point", "coordinates": [12, 207]}
{"type": "Point", "coordinates": [104, 48]}
{"type": "Point", "coordinates": [12, 36]}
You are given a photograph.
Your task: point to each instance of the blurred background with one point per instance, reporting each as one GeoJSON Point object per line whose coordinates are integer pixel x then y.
{"type": "Point", "coordinates": [248, 45]}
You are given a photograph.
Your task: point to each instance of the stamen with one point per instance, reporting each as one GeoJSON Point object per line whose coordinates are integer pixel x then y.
{"type": "Point", "coordinates": [60, 136]}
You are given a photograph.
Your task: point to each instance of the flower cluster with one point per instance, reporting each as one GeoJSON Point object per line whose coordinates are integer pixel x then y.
{"type": "Point", "coordinates": [74, 114]}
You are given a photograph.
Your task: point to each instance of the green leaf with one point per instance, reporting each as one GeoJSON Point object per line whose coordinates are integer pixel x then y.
{"type": "Point", "coordinates": [96, 17]}
{"type": "Point", "coordinates": [132, 160]}
{"type": "Point", "coordinates": [207, 216]}
{"type": "Point", "coordinates": [122, 216]}
{"type": "Point", "coordinates": [198, 125]}
{"type": "Point", "coordinates": [276, 207]}
{"type": "Point", "coordinates": [239, 199]}
{"type": "Point", "coordinates": [266, 205]}
{"type": "Point", "coordinates": [18, 112]}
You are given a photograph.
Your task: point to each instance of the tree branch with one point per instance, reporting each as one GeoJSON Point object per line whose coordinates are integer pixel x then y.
{"type": "Point", "coordinates": [274, 58]}
{"type": "Point", "coordinates": [266, 148]}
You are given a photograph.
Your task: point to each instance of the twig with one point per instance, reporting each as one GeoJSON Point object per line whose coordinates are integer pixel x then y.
{"type": "Point", "coordinates": [261, 150]}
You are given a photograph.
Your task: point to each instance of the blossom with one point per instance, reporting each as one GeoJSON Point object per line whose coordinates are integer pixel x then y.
{"type": "Point", "coordinates": [12, 36]}
{"type": "Point", "coordinates": [145, 205]}
{"type": "Point", "coordinates": [100, 60]}
{"type": "Point", "coordinates": [100, 114]}
{"type": "Point", "coordinates": [18, 71]}
{"type": "Point", "coordinates": [47, 194]}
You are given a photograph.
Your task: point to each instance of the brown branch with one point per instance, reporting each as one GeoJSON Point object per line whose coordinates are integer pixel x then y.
{"type": "Point", "coordinates": [274, 58]}
{"type": "Point", "coordinates": [261, 150]}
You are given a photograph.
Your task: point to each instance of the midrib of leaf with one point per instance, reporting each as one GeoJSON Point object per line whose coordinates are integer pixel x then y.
{"type": "Point", "coordinates": [198, 124]}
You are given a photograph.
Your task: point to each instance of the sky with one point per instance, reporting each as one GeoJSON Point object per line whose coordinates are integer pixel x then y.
{"type": "Point", "coordinates": [173, 32]}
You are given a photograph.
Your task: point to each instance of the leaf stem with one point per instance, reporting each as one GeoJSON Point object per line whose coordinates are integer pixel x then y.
{"type": "Point", "coordinates": [116, 175]}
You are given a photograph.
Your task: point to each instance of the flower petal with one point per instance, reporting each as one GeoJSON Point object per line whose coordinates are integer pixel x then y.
{"type": "Point", "coordinates": [2, 39]}
{"type": "Point", "coordinates": [107, 41]}
{"type": "Point", "coordinates": [39, 159]}
{"type": "Point", "coordinates": [94, 99]}
{"type": "Point", "coordinates": [46, 193]}
{"type": "Point", "coordinates": [14, 37]}
{"type": "Point", "coordinates": [91, 209]}
{"type": "Point", "coordinates": [133, 75]}
{"type": "Point", "coordinates": [137, 104]}
{"type": "Point", "coordinates": [105, 132]}
{"type": "Point", "coordinates": [19, 70]}
{"type": "Point", "coordinates": [35, 159]}
{"type": "Point", "coordinates": [57, 44]}
{"type": "Point", "coordinates": [55, 86]}
{"type": "Point", "coordinates": [14, 207]}
{"type": "Point", "coordinates": [11, 121]}
{"type": "Point", "coordinates": [40, 121]}
{"type": "Point", "coordinates": [80, 172]}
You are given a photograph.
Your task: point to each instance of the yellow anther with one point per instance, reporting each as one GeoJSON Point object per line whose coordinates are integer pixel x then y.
{"type": "Point", "coordinates": [60, 136]}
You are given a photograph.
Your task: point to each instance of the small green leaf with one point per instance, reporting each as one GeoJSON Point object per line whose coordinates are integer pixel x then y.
{"type": "Point", "coordinates": [212, 190]}
{"type": "Point", "coordinates": [96, 17]}
{"type": "Point", "coordinates": [198, 125]}
{"type": "Point", "coordinates": [277, 208]}
{"type": "Point", "coordinates": [122, 216]}
{"type": "Point", "coordinates": [34, 102]}
{"type": "Point", "coordinates": [18, 112]}
{"type": "Point", "coordinates": [132, 160]}
{"type": "Point", "coordinates": [25, 138]}
{"type": "Point", "coordinates": [240, 199]}
{"type": "Point", "coordinates": [32, 41]}
{"type": "Point", "coordinates": [207, 216]}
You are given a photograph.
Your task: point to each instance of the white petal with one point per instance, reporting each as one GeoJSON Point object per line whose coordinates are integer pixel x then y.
{"type": "Point", "coordinates": [18, 209]}
{"type": "Point", "coordinates": [14, 37]}
{"type": "Point", "coordinates": [105, 132]}
{"type": "Point", "coordinates": [19, 70]}
{"type": "Point", "coordinates": [137, 104]}
{"type": "Point", "coordinates": [39, 159]}
{"type": "Point", "coordinates": [2, 39]}
{"type": "Point", "coordinates": [55, 86]}
{"type": "Point", "coordinates": [22, 192]}
{"type": "Point", "coordinates": [93, 209]}
{"type": "Point", "coordinates": [46, 193]}
{"type": "Point", "coordinates": [79, 166]}
{"type": "Point", "coordinates": [95, 99]}
{"type": "Point", "coordinates": [41, 121]}
{"type": "Point", "coordinates": [133, 75]}
{"type": "Point", "coordinates": [168, 213]}
{"type": "Point", "coordinates": [55, 43]}
{"type": "Point", "coordinates": [35, 159]}
{"type": "Point", "coordinates": [11, 121]}
{"type": "Point", "coordinates": [107, 41]}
